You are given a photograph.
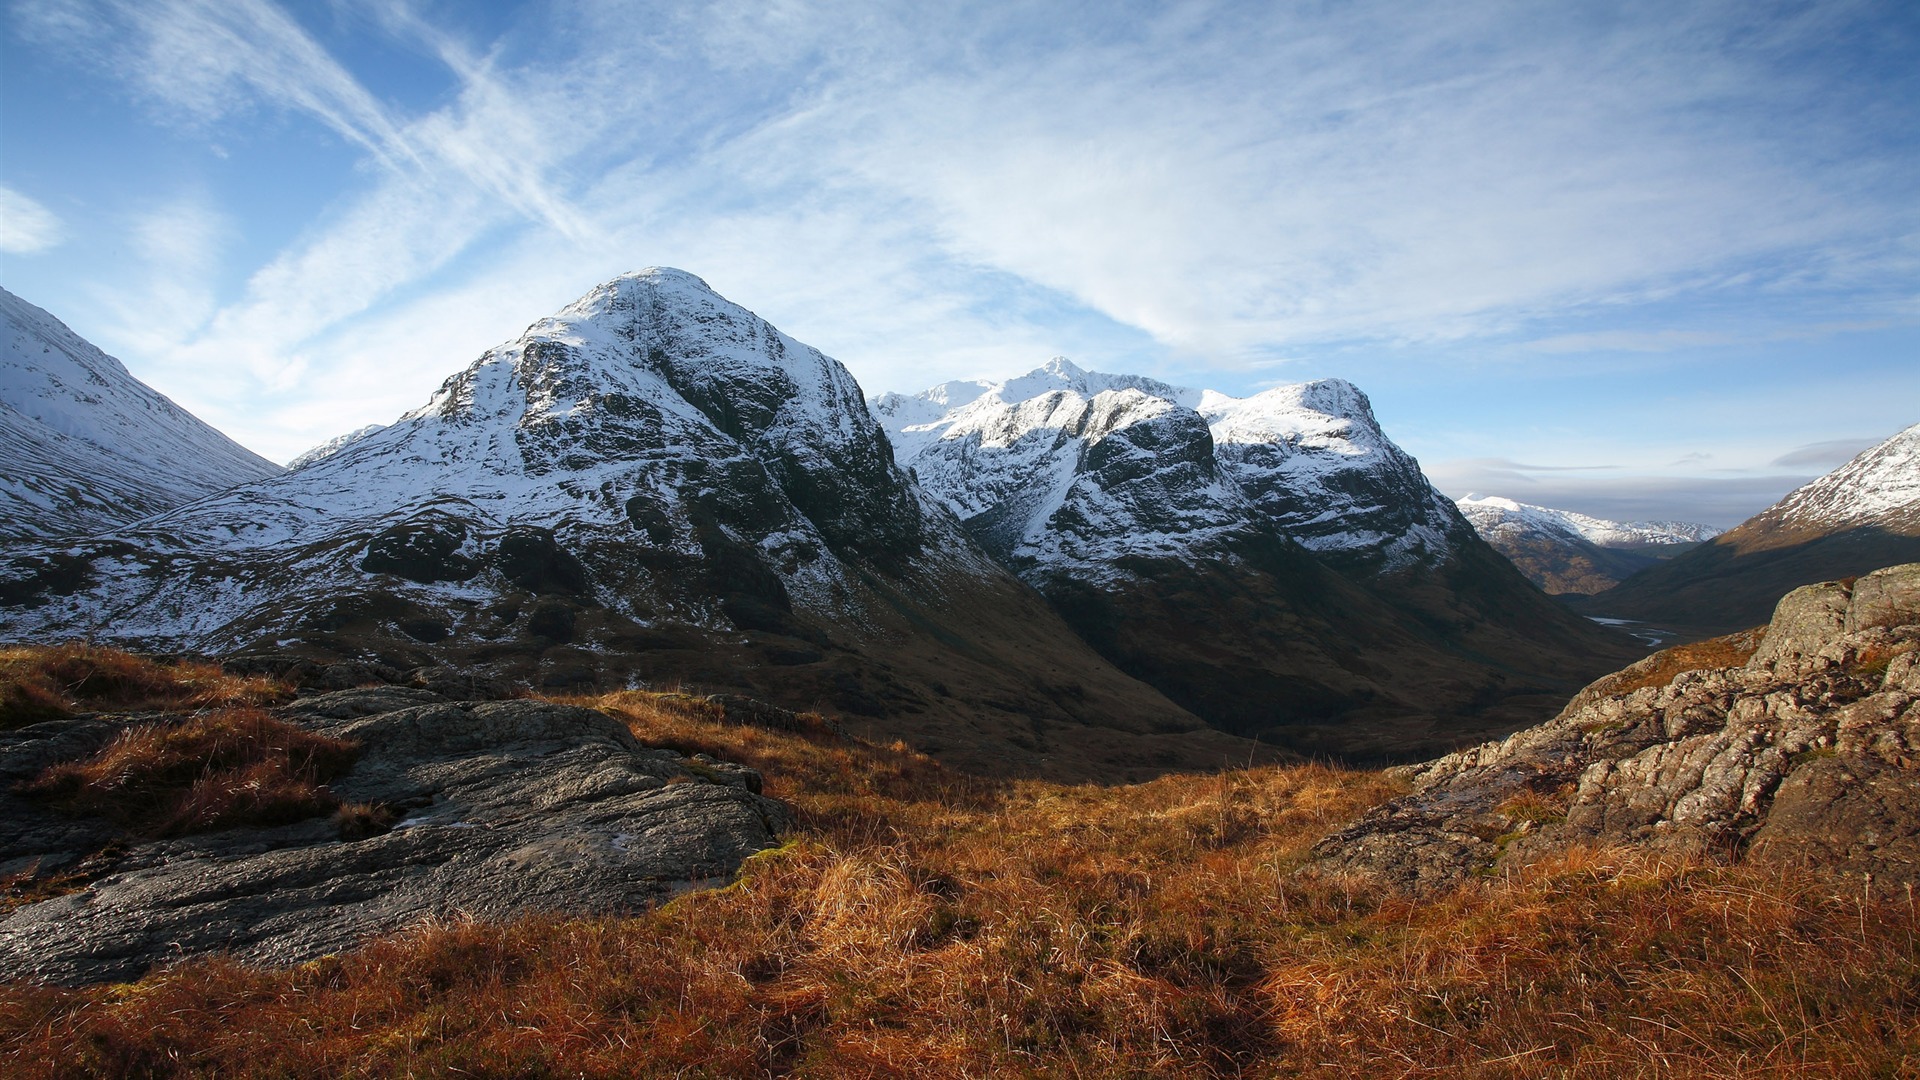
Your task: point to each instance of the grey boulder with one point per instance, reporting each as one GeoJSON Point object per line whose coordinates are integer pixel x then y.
{"type": "Point", "coordinates": [508, 808]}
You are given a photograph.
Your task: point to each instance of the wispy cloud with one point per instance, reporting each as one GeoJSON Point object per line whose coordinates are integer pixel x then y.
{"type": "Point", "coordinates": [1824, 456]}
{"type": "Point", "coordinates": [206, 60]}
{"type": "Point", "coordinates": [1650, 341]}
{"type": "Point", "coordinates": [968, 188]}
{"type": "Point", "coordinates": [26, 227]}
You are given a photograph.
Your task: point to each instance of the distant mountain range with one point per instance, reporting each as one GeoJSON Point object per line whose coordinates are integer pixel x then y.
{"type": "Point", "coordinates": [86, 446]}
{"type": "Point", "coordinates": [1858, 518]}
{"type": "Point", "coordinates": [1566, 552]}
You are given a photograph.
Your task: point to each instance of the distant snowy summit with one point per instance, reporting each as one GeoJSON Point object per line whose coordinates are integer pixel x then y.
{"type": "Point", "coordinates": [1566, 552]}
{"type": "Point", "coordinates": [1032, 464]}
{"type": "Point", "coordinates": [1880, 487]}
{"type": "Point", "coordinates": [86, 445]}
{"type": "Point", "coordinates": [1860, 517]}
{"type": "Point", "coordinates": [1490, 513]}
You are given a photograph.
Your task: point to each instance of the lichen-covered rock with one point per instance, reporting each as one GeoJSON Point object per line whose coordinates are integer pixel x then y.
{"type": "Point", "coordinates": [1807, 750]}
{"type": "Point", "coordinates": [506, 808]}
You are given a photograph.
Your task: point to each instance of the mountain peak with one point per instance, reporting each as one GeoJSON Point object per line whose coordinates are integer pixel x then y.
{"type": "Point", "coordinates": [661, 277]}
{"type": "Point", "coordinates": [1882, 484]}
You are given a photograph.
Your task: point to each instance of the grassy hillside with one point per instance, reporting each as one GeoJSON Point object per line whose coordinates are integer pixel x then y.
{"type": "Point", "coordinates": [922, 922]}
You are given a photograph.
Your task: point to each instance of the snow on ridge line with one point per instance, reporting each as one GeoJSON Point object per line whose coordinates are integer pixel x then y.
{"type": "Point", "coordinates": [1882, 481]}
{"type": "Point", "coordinates": [89, 446]}
{"type": "Point", "coordinates": [1308, 457]}
{"type": "Point", "coordinates": [1488, 512]}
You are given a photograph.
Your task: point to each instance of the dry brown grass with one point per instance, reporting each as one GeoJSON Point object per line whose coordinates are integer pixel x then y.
{"type": "Point", "coordinates": [1662, 667]}
{"type": "Point", "coordinates": [47, 683]}
{"type": "Point", "coordinates": [207, 771]}
{"type": "Point", "coordinates": [927, 924]}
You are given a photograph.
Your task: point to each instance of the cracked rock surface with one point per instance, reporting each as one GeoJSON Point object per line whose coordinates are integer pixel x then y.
{"type": "Point", "coordinates": [1807, 750]}
{"type": "Point", "coordinates": [508, 808]}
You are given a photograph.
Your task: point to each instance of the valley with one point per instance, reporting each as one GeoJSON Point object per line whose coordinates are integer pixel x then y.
{"type": "Point", "coordinates": [651, 700]}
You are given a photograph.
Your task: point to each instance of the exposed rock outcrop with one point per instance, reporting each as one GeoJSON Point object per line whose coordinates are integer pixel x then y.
{"type": "Point", "coordinates": [505, 808]}
{"type": "Point", "coordinates": [1801, 741]}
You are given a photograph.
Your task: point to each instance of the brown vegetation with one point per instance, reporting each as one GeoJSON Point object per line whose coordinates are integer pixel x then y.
{"type": "Point", "coordinates": [1731, 650]}
{"type": "Point", "coordinates": [208, 771]}
{"type": "Point", "coordinates": [924, 923]}
{"type": "Point", "coordinates": [39, 684]}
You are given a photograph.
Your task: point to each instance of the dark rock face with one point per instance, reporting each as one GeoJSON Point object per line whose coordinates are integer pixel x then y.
{"type": "Point", "coordinates": [530, 558]}
{"type": "Point", "coordinates": [1810, 749]}
{"type": "Point", "coordinates": [507, 808]}
{"type": "Point", "coordinates": [425, 550]}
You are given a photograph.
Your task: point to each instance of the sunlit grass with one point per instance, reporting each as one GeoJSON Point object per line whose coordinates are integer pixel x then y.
{"type": "Point", "coordinates": [47, 683]}
{"type": "Point", "coordinates": [924, 923]}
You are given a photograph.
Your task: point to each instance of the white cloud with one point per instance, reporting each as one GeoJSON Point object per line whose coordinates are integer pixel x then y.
{"type": "Point", "coordinates": [213, 57]}
{"type": "Point", "coordinates": [1298, 180]}
{"type": "Point", "coordinates": [967, 189]}
{"type": "Point", "coordinates": [166, 293]}
{"type": "Point", "coordinates": [26, 227]}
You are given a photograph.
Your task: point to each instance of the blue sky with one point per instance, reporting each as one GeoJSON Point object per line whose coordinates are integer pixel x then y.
{"type": "Point", "coordinates": [1641, 260]}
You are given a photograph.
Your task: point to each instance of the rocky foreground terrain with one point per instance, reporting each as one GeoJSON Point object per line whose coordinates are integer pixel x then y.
{"type": "Point", "coordinates": [488, 809]}
{"type": "Point", "coordinates": [1797, 742]}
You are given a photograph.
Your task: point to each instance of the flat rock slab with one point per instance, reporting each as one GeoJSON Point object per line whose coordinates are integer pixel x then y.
{"type": "Point", "coordinates": [511, 807]}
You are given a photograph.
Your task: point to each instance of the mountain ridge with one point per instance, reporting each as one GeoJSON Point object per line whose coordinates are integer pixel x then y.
{"type": "Point", "coordinates": [1365, 614]}
{"type": "Point", "coordinates": [1567, 552]}
{"type": "Point", "coordinates": [1860, 517]}
{"type": "Point", "coordinates": [652, 484]}
{"type": "Point", "coordinates": [87, 445]}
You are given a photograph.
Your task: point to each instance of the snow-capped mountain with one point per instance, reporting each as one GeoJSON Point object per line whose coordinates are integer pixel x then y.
{"type": "Point", "coordinates": [1490, 513]}
{"type": "Point", "coordinates": [1880, 487]}
{"type": "Point", "coordinates": [1860, 517]}
{"type": "Point", "coordinates": [87, 446]}
{"type": "Point", "coordinates": [652, 483]}
{"type": "Point", "coordinates": [1566, 552]}
{"type": "Point", "coordinates": [333, 446]}
{"type": "Point", "coordinates": [1027, 462]}
{"type": "Point", "coordinates": [1273, 563]}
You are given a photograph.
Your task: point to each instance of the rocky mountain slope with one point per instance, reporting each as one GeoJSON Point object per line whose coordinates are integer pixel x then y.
{"type": "Point", "coordinates": [651, 485]}
{"type": "Point", "coordinates": [1859, 517]}
{"type": "Point", "coordinates": [511, 807]}
{"type": "Point", "coordinates": [1273, 563]}
{"type": "Point", "coordinates": [1797, 742]}
{"type": "Point", "coordinates": [1308, 459]}
{"type": "Point", "coordinates": [87, 446]}
{"type": "Point", "coordinates": [1566, 552]}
